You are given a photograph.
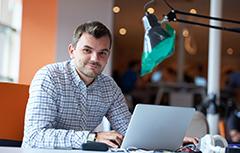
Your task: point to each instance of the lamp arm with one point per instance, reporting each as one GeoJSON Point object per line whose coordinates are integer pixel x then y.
{"type": "Point", "coordinates": [210, 26]}
{"type": "Point", "coordinates": [171, 16]}
{"type": "Point", "coordinates": [196, 15]}
{"type": "Point", "coordinates": [207, 17]}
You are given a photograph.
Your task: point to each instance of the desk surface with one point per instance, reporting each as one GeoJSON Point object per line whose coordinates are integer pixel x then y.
{"type": "Point", "coordinates": [22, 150]}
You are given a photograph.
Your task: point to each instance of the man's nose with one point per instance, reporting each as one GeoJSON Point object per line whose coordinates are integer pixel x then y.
{"type": "Point", "coordinates": [94, 56]}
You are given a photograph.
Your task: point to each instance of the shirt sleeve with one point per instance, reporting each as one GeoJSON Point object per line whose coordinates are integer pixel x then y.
{"type": "Point", "coordinates": [41, 117]}
{"type": "Point", "coordinates": [118, 114]}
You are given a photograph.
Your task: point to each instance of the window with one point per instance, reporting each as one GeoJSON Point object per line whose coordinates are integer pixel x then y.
{"type": "Point", "coordinates": [10, 28]}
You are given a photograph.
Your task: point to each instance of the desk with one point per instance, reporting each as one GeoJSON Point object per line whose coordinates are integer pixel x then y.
{"type": "Point", "coordinates": [23, 150]}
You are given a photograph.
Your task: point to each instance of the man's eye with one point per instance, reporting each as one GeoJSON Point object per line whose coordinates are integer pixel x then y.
{"type": "Point", "coordinates": [85, 50]}
{"type": "Point", "coordinates": [104, 53]}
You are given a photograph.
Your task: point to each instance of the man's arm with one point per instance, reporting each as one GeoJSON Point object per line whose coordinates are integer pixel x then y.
{"type": "Point", "coordinates": [118, 114]}
{"type": "Point", "coordinates": [40, 118]}
{"type": "Point", "coordinates": [119, 117]}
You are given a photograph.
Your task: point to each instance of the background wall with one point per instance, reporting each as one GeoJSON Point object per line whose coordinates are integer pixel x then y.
{"type": "Point", "coordinates": [71, 13]}
{"type": "Point", "coordinates": [47, 27]}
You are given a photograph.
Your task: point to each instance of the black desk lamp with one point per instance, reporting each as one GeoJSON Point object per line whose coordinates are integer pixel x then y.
{"type": "Point", "coordinates": [159, 40]}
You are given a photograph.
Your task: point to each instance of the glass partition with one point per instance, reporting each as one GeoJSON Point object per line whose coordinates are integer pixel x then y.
{"type": "Point", "coordinates": [10, 28]}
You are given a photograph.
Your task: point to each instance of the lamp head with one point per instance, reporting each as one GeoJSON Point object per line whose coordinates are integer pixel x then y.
{"type": "Point", "coordinates": [154, 33]}
{"type": "Point", "coordinates": [158, 42]}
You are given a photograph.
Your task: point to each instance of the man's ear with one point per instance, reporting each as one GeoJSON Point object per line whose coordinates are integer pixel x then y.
{"type": "Point", "coordinates": [70, 51]}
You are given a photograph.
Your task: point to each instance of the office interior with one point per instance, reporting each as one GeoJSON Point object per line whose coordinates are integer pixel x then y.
{"type": "Point", "coordinates": [35, 33]}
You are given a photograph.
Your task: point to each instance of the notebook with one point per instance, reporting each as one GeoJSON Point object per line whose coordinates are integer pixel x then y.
{"type": "Point", "coordinates": [155, 127]}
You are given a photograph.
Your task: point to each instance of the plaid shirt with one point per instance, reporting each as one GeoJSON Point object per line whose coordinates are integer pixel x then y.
{"type": "Point", "coordinates": [62, 110]}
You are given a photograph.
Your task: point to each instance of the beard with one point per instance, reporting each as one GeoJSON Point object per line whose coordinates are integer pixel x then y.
{"type": "Point", "coordinates": [91, 69]}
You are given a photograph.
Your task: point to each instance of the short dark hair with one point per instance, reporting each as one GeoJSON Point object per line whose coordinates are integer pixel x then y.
{"type": "Point", "coordinates": [94, 28]}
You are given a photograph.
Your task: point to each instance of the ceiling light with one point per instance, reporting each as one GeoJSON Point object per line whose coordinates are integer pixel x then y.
{"type": "Point", "coordinates": [193, 11]}
{"type": "Point", "coordinates": [150, 10]}
{"type": "Point", "coordinates": [116, 9]}
{"type": "Point", "coordinates": [185, 33]}
{"type": "Point", "coordinates": [122, 31]}
{"type": "Point", "coordinates": [230, 51]}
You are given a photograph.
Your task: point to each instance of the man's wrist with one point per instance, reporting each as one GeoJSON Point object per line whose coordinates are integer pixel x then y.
{"type": "Point", "coordinates": [92, 136]}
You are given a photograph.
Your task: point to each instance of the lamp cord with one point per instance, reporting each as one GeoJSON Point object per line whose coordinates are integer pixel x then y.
{"type": "Point", "coordinates": [152, 1]}
{"type": "Point", "coordinates": [165, 1]}
{"type": "Point", "coordinates": [146, 5]}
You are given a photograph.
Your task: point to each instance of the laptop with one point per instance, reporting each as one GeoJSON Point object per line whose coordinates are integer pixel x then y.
{"type": "Point", "coordinates": [156, 127]}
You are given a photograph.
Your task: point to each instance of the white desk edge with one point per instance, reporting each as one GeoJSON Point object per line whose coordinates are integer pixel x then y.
{"type": "Point", "coordinates": [23, 150]}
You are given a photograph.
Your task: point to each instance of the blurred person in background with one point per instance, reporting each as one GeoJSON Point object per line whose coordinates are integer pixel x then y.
{"type": "Point", "coordinates": [233, 122]}
{"type": "Point", "coordinates": [130, 77]}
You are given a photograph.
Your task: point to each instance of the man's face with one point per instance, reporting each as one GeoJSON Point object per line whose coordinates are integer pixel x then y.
{"type": "Point", "coordinates": [90, 55]}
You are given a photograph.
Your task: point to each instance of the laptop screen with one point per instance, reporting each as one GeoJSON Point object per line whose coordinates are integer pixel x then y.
{"type": "Point", "coordinates": [157, 127]}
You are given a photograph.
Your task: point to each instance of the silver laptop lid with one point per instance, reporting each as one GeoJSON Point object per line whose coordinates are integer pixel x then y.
{"type": "Point", "coordinates": [157, 127]}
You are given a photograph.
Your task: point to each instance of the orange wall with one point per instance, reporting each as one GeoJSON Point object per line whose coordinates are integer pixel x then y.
{"type": "Point", "coordinates": [38, 37]}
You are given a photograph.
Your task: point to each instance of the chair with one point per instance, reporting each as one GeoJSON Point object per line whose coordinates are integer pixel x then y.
{"type": "Point", "coordinates": [198, 126]}
{"type": "Point", "coordinates": [13, 100]}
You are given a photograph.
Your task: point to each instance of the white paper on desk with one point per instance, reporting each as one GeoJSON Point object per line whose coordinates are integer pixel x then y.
{"type": "Point", "coordinates": [119, 150]}
{"type": "Point", "coordinates": [141, 151]}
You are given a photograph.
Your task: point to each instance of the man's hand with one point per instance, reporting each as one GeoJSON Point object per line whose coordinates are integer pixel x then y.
{"type": "Point", "coordinates": [111, 138]}
{"type": "Point", "coordinates": [235, 135]}
{"type": "Point", "coordinates": [188, 140]}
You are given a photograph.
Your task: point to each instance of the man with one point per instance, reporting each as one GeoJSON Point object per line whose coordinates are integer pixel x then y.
{"type": "Point", "coordinates": [68, 100]}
